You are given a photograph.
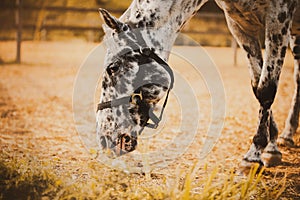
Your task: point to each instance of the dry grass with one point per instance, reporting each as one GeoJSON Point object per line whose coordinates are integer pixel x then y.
{"type": "Point", "coordinates": [24, 178]}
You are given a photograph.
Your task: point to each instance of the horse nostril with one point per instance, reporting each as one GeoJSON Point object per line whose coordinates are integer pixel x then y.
{"type": "Point", "coordinates": [127, 138]}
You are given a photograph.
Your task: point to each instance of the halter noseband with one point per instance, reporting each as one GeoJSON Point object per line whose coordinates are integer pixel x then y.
{"type": "Point", "coordinates": [148, 52]}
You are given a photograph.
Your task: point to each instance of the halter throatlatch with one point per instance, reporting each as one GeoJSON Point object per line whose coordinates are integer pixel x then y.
{"type": "Point", "coordinates": [137, 98]}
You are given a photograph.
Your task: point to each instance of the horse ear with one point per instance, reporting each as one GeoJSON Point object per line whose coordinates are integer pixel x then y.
{"type": "Point", "coordinates": [110, 20]}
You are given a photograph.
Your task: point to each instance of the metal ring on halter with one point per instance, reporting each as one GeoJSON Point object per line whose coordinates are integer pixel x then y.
{"type": "Point", "coordinates": [140, 95]}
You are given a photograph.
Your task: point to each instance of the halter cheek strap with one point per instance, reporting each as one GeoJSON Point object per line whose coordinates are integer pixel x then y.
{"type": "Point", "coordinates": [130, 99]}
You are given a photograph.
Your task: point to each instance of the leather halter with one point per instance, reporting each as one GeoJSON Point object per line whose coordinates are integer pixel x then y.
{"type": "Point", "coordinates": [148, 52]}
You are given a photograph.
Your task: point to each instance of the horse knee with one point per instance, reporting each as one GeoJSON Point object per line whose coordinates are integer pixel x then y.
{"type": "Point", "coordinates": [266, 94]}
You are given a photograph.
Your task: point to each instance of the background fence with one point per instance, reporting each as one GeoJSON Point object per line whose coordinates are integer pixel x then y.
{"type": "Point", "coordinates": [45, 21]}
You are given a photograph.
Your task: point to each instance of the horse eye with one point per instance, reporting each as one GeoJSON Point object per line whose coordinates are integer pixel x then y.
{"type": "Point", "coordinates": [125, 28]}
{"type": "Point", "coordinates": [113, 69]}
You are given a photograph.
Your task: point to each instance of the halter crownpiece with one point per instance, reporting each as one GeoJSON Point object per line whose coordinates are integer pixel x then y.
{"type": "Point", "coordinates": [137, 98]}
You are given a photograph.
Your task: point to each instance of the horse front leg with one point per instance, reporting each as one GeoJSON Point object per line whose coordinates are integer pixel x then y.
{"type": "Point", "coordinates": [250, 44]}
{"type": "Point", "coordinates": [276, 42]}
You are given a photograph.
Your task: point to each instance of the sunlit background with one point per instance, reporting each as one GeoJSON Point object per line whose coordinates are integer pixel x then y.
{"type": "Point", "coordinates": [53, 20]}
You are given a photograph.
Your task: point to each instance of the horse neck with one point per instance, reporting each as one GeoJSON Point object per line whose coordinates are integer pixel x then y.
{"type": "Point", "coordinates": [159, 22]}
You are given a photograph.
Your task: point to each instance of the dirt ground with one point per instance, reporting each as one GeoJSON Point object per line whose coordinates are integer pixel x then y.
{"type": "Point", "coordinates": [37, 113]}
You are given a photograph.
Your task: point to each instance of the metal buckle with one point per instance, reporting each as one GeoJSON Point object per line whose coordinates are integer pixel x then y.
{"type": "Point", "coordinates": [134, 95]}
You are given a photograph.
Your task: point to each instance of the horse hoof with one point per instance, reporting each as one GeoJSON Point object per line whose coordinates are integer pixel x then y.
{"type": "Point", "coordinates": [271, 158]}
{"type": "Point", "coordinates": [246, 166]}
{"type": "Point", "coordinates": [285, 142]}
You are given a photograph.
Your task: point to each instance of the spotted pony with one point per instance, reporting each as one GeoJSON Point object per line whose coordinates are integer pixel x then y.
{"type": "Point", "coordinates": [136, 76]}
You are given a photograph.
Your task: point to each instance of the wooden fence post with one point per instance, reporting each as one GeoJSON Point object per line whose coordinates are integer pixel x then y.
{"type": "Point", "coordinates": [19, 29]}
{"type": "Point", "coordinates": [234, 46]}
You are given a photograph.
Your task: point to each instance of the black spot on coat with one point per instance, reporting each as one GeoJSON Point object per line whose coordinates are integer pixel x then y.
{"type": "Point", "coordinates": [282, 16]}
